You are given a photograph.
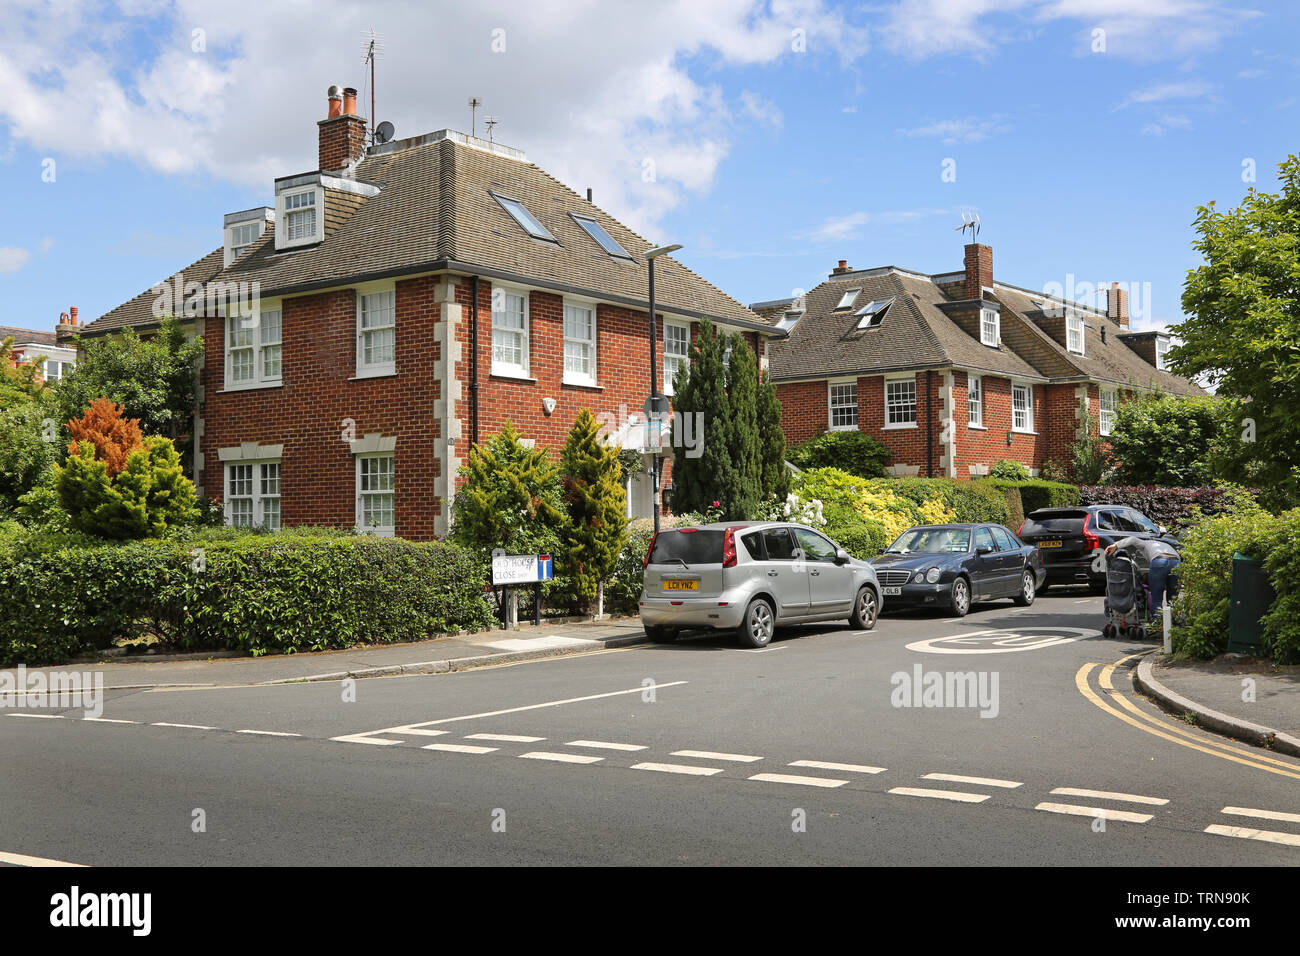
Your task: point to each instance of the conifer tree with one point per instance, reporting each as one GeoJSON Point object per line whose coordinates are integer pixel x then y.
{"type": "Point", "coordinates": [510, 499]}
{"type": "Point", "coordinates": [774, 476]}
{"type": "Point", "coordinates": [708, 472]}
{"type": "Point", "coordinates": [742, 405]}
{"type": "Point", "coordinates": [593, 490]}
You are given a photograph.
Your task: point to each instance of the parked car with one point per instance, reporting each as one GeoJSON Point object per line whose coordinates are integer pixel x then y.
{"type": "Point", "coordinates": [1070, 539]}
{"type": "Point", "coordinates": [751, 578]}
{"type": "Point", "coordinates": [951, 566]}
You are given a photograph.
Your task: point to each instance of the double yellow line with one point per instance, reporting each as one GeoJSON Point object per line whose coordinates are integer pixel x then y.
{"type": "Point", "coordinates": [1131, 714]}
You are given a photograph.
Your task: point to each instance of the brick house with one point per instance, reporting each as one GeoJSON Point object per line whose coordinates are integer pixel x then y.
{"type": "Point", "coordinates": [401, 302]}
{"type": "Point", "coordinates": [955, 371]}
{"type": "Point", "coordinates": [50, 351]}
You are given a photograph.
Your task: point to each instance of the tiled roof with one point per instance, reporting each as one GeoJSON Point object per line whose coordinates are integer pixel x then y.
{"type": "Point", "coordinates": [434, 210]}
{"type": "Point", "coordinates": [27, 336]}
{"type": "Point", "coordinates": [139, 310]}
{"type": "Point", "coordinates": [915, 333]}
{"type": "Point", "coordinates": [1108, 361]}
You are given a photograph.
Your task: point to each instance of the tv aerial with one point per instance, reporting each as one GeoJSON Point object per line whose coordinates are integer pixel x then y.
{"type": "Point", "coordinates": [969, 221]}
{"type": "Point", "coordinates": [474, 104]}
{"type": "Point", "coordinates": [372, 48]}
{"type": "Point", "coordinates": [490, 122]}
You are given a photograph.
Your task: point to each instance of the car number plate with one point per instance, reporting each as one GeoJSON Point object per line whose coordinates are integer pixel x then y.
{"type": "Point", "coordinates": [1049, 544]}
{"type": "Point", "coordinates": [893, 591]}
{"type": "Point", "coordinates": [681, 584]}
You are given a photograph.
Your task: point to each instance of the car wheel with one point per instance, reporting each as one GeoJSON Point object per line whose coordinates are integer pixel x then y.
{"type": "Point", "coordinates": [758, 624]}
{"type": "Point", "coordinates": [661, 635]}
{"type": "Point", "coordinates": [959, 598]}
{"type": "Point", "coordinates": [1027, 589]}
{"type": "Point", "coordinates": [1044, 587]}
{"type": "Point", "coordinates": [865, 609]}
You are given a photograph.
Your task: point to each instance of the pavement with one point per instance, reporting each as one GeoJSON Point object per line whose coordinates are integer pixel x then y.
{"type": "Point", "coordinates": [485, 648]}
{"type": "Point", "coordinates": [831, 746]}
{"type": "Point", "coordinates": [1248, 699]}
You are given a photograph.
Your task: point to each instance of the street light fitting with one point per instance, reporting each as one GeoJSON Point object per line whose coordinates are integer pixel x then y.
{"type": "Point", "coordinates": [658, 251]}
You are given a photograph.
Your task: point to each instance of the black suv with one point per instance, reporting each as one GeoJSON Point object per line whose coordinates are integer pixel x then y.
{"type": "Point", "coordinates": [1069, 540]}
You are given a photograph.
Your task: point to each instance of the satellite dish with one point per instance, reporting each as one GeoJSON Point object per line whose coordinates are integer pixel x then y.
{"type": "Point", "coordinates": [384, 132]}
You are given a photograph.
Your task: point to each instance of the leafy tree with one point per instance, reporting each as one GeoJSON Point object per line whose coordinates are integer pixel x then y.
{"type": "Point", "coordinates": [153, 379]}
{"type": "Point", "coordinates": [1161, 439]}
{"type": "Point", "coordinates": [511, 498]}
{"type": "Point", "coordinates": [20, 382]}
{"type": "Point", "coordinates": [593, 490]}
{"type": "Point", "coordinates": [1242, 330]}
{"type": "Point", "coordinates": [28, 447]}
{"type": "Point", "coordinates": [112, 435]}
{"type": "Point", "coordinates": [1089, 456]}
{"type": "Point", "coordinates": [774, 476]}
{"type": "Point", "coordinates": [742, 408]}
{"type": "Point", "coordinates": [713, 474]}
{"type": "Point", "coordinates": [855, 452]}
{"type": "Point", "coordinates": [1009, 469]}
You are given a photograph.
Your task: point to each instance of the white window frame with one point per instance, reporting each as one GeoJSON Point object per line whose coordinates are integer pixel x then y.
{"type": "Point", "coordinates": [674, 359]}
{"type": "Point", "coordinates": [847, 299]}
{"type": "Point", "coordinates": [233, 251]}
{"type": "Point", "coordinates": [990, 316]}
{"type": "Point", "coordinates": [832, 405]}
{"type": "Point", "coordinates": [576, 377]}
{"type": "Point", "coordinates": [257, 345]}
{"type": "Point", "coordinates": [370, 369]}
{"type": "Point", "coordinates": [974, 401]}
{"type": "Point", "coordinates": [282, 216]}
{"type": "Point", "coordinates": [890, 406]}
{"type": "Point", "coordinates": [511, 369]}
{"type": "Point", "coordinates": [1106, 415]}
{"type": "Point", "coordinates": [1162, 350]}
{"type": "Point", "coordinates": [1028, 390]}
{"type": "Point", "coordinates": [258, 497]}
{"type": "Point", "coordinates": [1074, 329]}
{"type": "Point", "coordinates": [382, 531]}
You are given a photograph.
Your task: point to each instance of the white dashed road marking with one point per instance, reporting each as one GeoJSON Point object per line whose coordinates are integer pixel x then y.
{"type": "Point", "coordinates": [561, 758]}
{"type": "Point", "coordinates": [1246, 833]}
{"type": "Point", "coordinates": [108, 720]}
{"type": "Point", "coordinates": [710, 755]}
{"type": "Point", "coordinates": [459, 748]}
{"type": "Point", "coordinates": [842, 767]}
{"type": "Point", "coordinates": [803, 781]}
{"type": "Point", "coordinates": [678, 768]}
{"type": "Point", "coordinates": [19, 859]}
{"type": "Point", "coordinates": [1263, 814]}
{"type": "Point", "coordinates": [978, 781]}
{"type": "Point", "coordinates": [183, 726]}
{"type": "Point", "coordinates": [41, 716]}
{"type": "Point", "coordinates": [1110, 795]}
{"type": "Point", "coordinates": [1124, 816]}
{"type": "Point", "coordinates": [268, 733]}
{"type": "Point", "coordinates": [508, 738]}
{"type": "Point", "coordinates": [957, 795]}
{"type": "Point", "coordinates": [604, 745]}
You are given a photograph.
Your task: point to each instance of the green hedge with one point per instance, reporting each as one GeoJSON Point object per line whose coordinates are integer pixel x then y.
{"type": "Point", "coordinates": [1037, 493]}
{"type": "Point", "coordinates": [1172, 507]}
{"type": "Point", "coordinates": [855, 452]}
{"type": "Point", "coordinates": [972, 501]}
{"type": "Point", "coordinates": [258, 593]}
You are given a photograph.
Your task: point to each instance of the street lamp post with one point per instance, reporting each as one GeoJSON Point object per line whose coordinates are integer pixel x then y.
{"type": "Point", "coordinates": [656, 404]}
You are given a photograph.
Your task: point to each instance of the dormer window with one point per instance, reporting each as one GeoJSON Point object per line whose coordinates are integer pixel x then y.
{"type": "Point", "coordinates": [526, 220]}
{"type": "Point", "coordinates": [300, 212]}
{"type": "Point", "coordinates": [300, 215]}
{"type": "Point", "coordinates": [602, 237]}
{"type": "Point", "coordinates": [1162, 352]}
{"type": "Point", "coordinates": [242, 230]}
{"type": "Point", "coordinates": [1074, 333]}
{"type": "Point", "coordinates": [873, 313]}
{"type": "Point", "coordinates": [846, 300]}
{"type": "Point", "coordinates": [990, 327]}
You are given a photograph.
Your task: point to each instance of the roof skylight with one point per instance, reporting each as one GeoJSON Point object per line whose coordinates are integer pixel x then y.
{"type": "Point", "coordinates": [527, 221]}
{"type": "Point", "coordinates": [846, 300]}
{"type": "Point", "coordinates": [602, 237]}
{"type": "Point", "coordinates": [873, 313]}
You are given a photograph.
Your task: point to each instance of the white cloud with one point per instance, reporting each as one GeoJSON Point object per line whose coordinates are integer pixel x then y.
{"type": "Point", "coordinates": [1160, 92]}
{"type": "Point", "coordinates": [1165, 124]}
{"type": "Point", "coordinates": [762, 110]}
{"type": "Point", "coordinates": [967, 130]}
{"type": "Point", "coordinates": [12, 258]}
{"type": "Point", "coordinates": [588, 90]}
{"type": "Point", "coordinates": [846, 227]}
{"type": "Point", "coordinates": [1140, 29]}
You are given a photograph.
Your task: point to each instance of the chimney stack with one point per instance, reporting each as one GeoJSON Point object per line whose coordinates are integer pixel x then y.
{"type": "Point", "coordinates": [842, 268]}
{"type": "Point", "coordinates": [979, 270]}
{"type": "Point", "coordinates": [1117, 304]}
{"type": "Point", "coordinates": [342, 132]}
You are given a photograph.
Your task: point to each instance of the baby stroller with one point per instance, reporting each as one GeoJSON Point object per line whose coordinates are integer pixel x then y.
{"type": "Point", "coordinates": [1126, 599]}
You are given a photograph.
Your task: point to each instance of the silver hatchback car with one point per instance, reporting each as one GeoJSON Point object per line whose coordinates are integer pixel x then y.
{"type": "Point", "coordinates": [750, 578]}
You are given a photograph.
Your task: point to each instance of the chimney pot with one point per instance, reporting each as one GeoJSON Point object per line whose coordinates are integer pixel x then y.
{"type": "Point", "coordinates": [335, 102]}
{"type": "Point", "coordinates": [842, 268]}
{"type": "Point", "coordinates": [72, 314]}
{"type": "Point", "coordinates": [349, 101]}
{"type": "Point", "coordinates": [342, 135]}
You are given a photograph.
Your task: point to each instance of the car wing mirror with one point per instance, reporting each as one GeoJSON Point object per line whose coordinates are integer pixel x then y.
{"type": "Point", "coordinates": [841, 556]}
{"type": "Point", "coordinates": [983, 549]}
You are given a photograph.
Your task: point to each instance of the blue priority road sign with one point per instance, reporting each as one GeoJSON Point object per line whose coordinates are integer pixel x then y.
{"type": "Point", "coordinates": [545, 567]}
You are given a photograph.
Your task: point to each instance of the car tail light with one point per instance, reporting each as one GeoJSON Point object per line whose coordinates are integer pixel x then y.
{"type": "Point", "coordinates": [650, 550]}
{"type": "Point", "coordinates": [1021, 528]}
{"type": "Point", "coordinates": [1090, 541]}
{"type": "Point", "coordinates": [729, 548]}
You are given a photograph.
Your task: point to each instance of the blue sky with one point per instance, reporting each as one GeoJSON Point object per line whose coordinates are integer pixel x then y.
{"type": "Point", "coordinates": [783, 135]}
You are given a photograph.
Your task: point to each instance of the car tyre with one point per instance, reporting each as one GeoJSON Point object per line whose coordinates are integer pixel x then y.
{"type": "Point", "coordinates": [1028, 589]}
{"type": "Point", "coordinates": [758, 625]}
{"type": "Point", "coordinates": [660, 634]}
{"type": "Point", "coordinates": [959, 598]}
{"type": "Point", "coordinates": [866, 608]}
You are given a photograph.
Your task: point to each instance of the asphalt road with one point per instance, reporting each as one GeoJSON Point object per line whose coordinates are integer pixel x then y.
{"type": "Point", "coordinates": [692, 753]}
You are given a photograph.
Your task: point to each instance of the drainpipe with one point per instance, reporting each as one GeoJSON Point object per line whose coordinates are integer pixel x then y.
{"type": "Point", "coordinates": [929, 427]}
{"type": "Point", "coordinates": [473, 362]}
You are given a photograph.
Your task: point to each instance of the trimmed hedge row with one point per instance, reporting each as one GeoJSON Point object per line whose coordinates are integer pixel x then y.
{"type": "Point", "coordinates": [1036, 493]}
{"type": "Point", "coordinates": [1171, 507]}
{"type": "Point", "coordinates": [258, 593]}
